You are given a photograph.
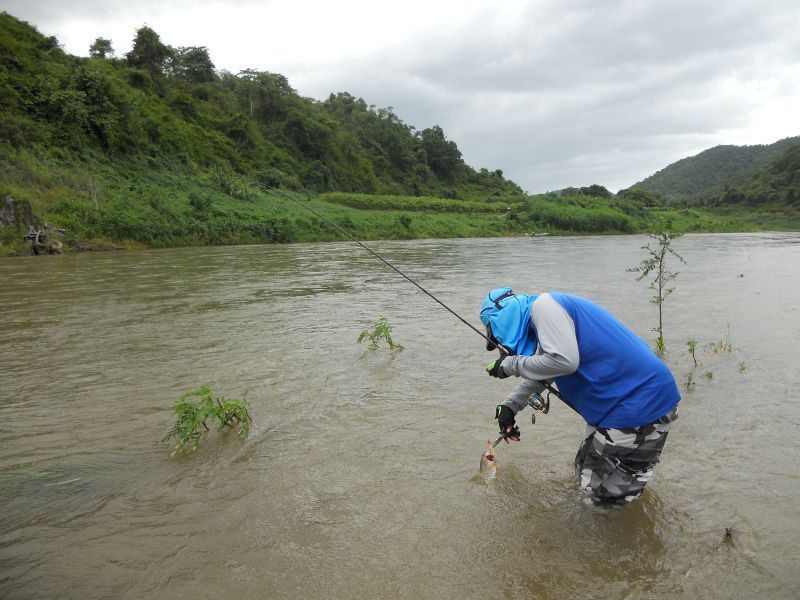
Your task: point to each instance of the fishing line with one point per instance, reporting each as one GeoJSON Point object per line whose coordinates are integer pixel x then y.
{"type": "Point", "coordinates": [380, 258]}
{"type": "Point", "coordinates": [502, 350]}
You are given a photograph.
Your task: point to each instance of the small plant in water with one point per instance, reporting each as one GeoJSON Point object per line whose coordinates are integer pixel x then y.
{"type": "Point", "coordinates": [692, 343]}
{"type": "Point", "coordinates": [195, 408]}
{"type": "Point", "coordinates": [381, 331]}
{"type": "Point", "coordinates": [656, 263]}
{"type": "Point", "coordinates": [742, 367]}
{"type": "Point", "coordinates": [724, 345]}
{"type": "Point", "coordinates": [690, 381]}
{"type": "Point", "coordinates": [709, 375]}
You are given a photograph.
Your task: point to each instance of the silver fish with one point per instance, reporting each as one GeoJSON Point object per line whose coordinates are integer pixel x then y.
{"type": "Point", "coordinates": [488, 463]}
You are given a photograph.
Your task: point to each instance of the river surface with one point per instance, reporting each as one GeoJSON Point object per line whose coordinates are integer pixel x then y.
{"type": "Point", "coordinates": [359, 476]}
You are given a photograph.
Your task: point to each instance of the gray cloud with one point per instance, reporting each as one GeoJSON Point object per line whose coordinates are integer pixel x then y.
{"type": "Point", "coordinates": [53, 13]}
{"type": "Point", "coordinates": [554, 93]}
{"type": "Point", "coordinates": [569, 99]}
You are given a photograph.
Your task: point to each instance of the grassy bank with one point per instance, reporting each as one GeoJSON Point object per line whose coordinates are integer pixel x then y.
{"type": "Point", "coordinates": [137, 203]}
{"type": "Point", "coordinates": [144, 202]}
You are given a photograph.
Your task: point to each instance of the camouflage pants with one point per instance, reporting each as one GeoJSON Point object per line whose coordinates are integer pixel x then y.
{"type": "Point", "coordinates": [614, 465]}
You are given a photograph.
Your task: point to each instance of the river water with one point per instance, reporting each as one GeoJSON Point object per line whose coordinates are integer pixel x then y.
{"type": "Point", "coordinates": [359, 476]}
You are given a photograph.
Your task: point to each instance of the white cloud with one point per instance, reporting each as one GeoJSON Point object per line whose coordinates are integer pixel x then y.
{"type": "Point", "coordinates": [554, 93]}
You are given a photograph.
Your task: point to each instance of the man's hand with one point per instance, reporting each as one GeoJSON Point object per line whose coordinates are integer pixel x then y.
{"type": "Point", "coordinates": [505, 419]}
{"type": "Point", "coordinates": [495, 368]}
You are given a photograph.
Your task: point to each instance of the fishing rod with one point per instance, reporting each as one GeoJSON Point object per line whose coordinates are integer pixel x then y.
{"type": "Point", "coordinates": [503, 352]}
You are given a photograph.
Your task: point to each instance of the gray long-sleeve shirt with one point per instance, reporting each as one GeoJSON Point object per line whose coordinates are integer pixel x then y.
{"type": "Point", "coordinates": [556, 354]}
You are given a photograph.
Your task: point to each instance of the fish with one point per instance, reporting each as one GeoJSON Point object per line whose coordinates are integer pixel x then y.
{"type": "Point", "coordinates": [488, 464]}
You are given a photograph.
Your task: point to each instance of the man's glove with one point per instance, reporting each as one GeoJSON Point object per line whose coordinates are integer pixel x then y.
{"type": "Point", "coordinates": [495, 368]}
{"type": "Point", "coordinates": [505, 419]}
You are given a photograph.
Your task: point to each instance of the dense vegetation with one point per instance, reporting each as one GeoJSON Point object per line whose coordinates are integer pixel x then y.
{"type": "Point", "coordinates": [158, 148]}
{"type": "Point", "coordinates": [171, 106]}
{"type": "Point", "coordinates": [697, 179]}
{"type": "Point", "coordinates": [771, 198]}
{"type": "Point", "coordinates": [755, 186]}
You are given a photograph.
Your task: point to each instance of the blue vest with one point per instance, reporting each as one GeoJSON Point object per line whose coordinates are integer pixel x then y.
{"type": "Point", "coordinates": [620, 382]}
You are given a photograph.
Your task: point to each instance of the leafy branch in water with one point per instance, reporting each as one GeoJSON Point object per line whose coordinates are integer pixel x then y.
{"type": "Point", "coordinates": [692, 343]}
{"type": "Point", "coordinates": [195, 408]}
{"type": "Point", "coordinates": [381, 331]}
{"type": "Point", "coordinates": [655, 266]}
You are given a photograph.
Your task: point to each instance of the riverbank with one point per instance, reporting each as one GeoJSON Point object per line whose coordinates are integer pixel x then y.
{"type": "Point", "coordinates": [102, 204]}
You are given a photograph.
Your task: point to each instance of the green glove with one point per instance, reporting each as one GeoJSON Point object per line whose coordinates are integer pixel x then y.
{"type": "Point", "coordinates": [495, 368]}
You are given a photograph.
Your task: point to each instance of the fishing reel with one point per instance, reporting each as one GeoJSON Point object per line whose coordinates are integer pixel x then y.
{"type": "Point", "coordinates": [539, 404]}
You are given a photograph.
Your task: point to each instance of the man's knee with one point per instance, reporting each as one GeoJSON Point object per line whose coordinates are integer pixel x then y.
{"type": "Point", "coordinates": [612, 473]}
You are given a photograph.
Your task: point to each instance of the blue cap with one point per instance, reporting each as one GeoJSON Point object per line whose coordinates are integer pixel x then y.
{"type": "Point", "coordinates": [509, 316]}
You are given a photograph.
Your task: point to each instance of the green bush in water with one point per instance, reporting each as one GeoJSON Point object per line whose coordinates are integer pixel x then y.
{"type": "Point", "coordinates": [381, 331]}
{"type": "Point", "coordinates": [195, 408]}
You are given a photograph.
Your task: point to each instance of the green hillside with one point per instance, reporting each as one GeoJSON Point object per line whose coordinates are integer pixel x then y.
{"type": "Point", "coordinates": [707, 174]}
{"type": "Point", "coordinates": [129, 148]}
{"type": "Point", "coordinates": [770, 198]}
{"type": "Point", "coordinates": [170, 106]}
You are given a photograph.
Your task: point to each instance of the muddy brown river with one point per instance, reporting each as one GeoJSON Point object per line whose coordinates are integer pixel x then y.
{"type": "Point", "coordinates": [359, 478]}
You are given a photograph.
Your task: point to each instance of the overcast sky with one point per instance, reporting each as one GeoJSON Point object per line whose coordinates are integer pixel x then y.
{"type": "Point", "coordinates": [553, 92]}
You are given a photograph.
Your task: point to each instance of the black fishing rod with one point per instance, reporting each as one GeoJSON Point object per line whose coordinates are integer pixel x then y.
{"type": "Point", "coordinates": [501, 349]}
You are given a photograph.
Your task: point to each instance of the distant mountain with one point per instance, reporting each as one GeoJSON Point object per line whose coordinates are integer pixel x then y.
{"type": "Point", "coordinates": [708, 174]}
{"type": "Point", "coordinates": [776, 187]}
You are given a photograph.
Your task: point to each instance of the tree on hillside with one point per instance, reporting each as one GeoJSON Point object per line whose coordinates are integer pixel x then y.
{"type": "Point", "coordinates": [640, 196]}
{"type": "Point", "coordinates": [264, 96]}
{"type": "Point", "coordinates": [101, 48]}
{"type": "Point", "coordinates": [443, 156]}
{"type": "Point", "coordinates": [311, 136]}
{"type": "Point", "coordinates": [148, 52]}
{"type": "Point", "coordinates": [193, 64]}
{"type": "Point", "coordinates": [394, 138]}
{"type": "Point", "coordinates": [344, 104]}
{"type": "Point", "coordinates": [596, 190]}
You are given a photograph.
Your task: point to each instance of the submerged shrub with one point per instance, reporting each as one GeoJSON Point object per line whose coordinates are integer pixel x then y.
{"type": "Point", "coordinates": [195, 408]}
{"type": "Point", "coordinates": [381, 331]}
